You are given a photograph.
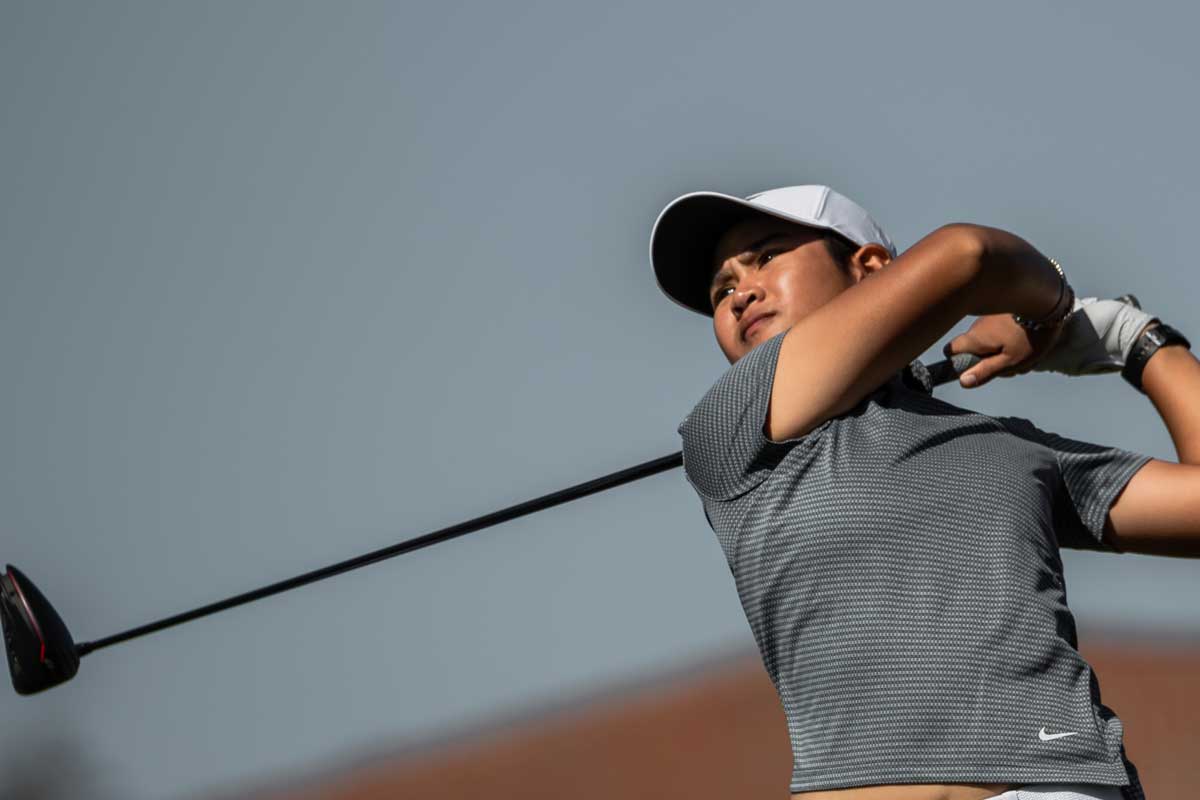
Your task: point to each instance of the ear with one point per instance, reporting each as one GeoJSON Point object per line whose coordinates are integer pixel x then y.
{"type": "Point", "coordinates": [869, 259]}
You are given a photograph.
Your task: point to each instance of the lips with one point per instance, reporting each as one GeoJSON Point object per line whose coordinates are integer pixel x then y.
{"type": "Point", "coordinates": [754, 323]}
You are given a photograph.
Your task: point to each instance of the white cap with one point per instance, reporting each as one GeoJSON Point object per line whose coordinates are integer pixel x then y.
{"type": "Point", "coordinates": [686, 232]}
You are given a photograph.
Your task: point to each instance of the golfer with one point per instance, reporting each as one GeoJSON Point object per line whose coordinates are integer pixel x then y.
{"type": "Point", "coordinates": [897, 556]}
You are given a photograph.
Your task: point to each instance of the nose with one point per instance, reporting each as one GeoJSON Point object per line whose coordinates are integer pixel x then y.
{"type": "Point", "coordinates": [742, 294]}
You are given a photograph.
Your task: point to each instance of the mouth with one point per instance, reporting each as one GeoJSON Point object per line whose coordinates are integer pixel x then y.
{"type": "Point", "coordinates": [756, 325]}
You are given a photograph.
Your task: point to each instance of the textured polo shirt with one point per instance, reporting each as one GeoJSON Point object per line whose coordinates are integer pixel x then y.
{"type": "Point", "coordinates": [899, 568]}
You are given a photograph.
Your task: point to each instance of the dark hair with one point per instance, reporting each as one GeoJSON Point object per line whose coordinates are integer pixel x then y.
{"type": "Point", "coordinates": [840, 249]}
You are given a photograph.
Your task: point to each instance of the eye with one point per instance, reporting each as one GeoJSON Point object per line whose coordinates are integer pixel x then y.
{"type": "Point", "coordinates": [763, 258]}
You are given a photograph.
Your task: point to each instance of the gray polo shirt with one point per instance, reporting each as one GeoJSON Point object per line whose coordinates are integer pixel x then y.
{"type": "Point", "coordinates": [899, 568]}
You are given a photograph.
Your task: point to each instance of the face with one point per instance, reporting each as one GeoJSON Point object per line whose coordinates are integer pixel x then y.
{"type": "Point", "coordinates": [773, 267]}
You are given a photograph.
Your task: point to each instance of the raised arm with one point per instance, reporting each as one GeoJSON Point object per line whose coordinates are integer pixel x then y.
{"type": "Point", "coordinates": [1158, 513]}
{"type": "Point", "coordinates": [841, 352]}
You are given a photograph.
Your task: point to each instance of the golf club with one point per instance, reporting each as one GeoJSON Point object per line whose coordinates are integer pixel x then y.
{"type": "Point", "coordinates": [42, 654]}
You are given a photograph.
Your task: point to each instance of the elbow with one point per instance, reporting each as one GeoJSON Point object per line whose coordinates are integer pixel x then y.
{"type": "Point", "coordinates": [968, 237]}
{"type": "Point", "coordinates": [967, 245]}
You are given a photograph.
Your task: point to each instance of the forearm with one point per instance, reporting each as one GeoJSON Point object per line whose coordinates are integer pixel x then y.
{"type": "Point", "coordinates": [1172, 382]}
{"type": "Point", "coordinates": [1012, 277]}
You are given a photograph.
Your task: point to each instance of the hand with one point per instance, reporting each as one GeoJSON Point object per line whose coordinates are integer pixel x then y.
{"type": "Point", "coordinates": [1097, 337]}
{"type": "Point", "coordinates": [1007, 349]}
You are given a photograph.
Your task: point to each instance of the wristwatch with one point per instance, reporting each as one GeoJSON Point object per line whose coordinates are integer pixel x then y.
{"type": "Point", "coordinates": [1154, 337]}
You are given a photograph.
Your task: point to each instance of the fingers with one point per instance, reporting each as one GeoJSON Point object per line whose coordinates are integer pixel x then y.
{"type": "Point", "coordinates": [963, 343]}
{"type": "Point", "coordinates": [1005, 349]}
{"type": "Point", "coordinates": [983, 372]}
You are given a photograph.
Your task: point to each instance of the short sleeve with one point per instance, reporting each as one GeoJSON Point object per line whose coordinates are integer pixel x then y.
{"type": "Point", "coordinates": [1093, 476]}
{"type": "Point", "coordinates": [725, 451]}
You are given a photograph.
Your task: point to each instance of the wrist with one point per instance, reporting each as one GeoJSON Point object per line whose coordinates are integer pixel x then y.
{"type": "Point", "coordinates": [1011, 277]}
{"type": "Point", "coordinates": [1154, 338]}
{"type": "Point", "coordinates": [1057, 315]}
{"type": "Point", "coordinates": [1162, 363]}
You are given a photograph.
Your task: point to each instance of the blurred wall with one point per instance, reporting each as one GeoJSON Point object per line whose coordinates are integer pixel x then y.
{"type": "Point", "coordinates": [716, 730]}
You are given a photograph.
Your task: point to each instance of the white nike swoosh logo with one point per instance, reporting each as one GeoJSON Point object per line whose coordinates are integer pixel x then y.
{"type": "Point", "coordinates": [1046, 737]}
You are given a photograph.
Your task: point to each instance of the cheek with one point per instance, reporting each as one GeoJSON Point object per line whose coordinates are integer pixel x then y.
{"type": "Point", "coordinates": [725, 327]}
{"type": "Point", "coordinates": [801, 291]}
{"type": "Point", "coordinates": [792, 286]}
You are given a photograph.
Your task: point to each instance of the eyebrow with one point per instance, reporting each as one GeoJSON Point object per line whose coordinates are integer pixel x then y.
{"type": "Point", "coordinates": [753, 247]}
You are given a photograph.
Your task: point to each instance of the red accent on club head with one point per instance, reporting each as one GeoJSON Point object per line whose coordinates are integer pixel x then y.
{"type": "Point", "coordinates": [29, 616]}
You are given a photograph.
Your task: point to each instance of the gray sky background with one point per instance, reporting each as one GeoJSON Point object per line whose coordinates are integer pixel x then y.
{"type": "Point", "coordinates": [286, 282]}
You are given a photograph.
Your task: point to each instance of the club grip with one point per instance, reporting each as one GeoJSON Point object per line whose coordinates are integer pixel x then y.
{"type": "Point", "coordinates": [946, 371]}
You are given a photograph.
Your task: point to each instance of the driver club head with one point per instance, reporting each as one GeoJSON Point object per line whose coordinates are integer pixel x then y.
{"type": "Point", "coordinates": [41, 652]}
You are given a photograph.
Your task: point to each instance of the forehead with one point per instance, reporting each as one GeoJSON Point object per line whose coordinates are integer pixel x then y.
{"type": "Point", "coordinates": [739, 238]}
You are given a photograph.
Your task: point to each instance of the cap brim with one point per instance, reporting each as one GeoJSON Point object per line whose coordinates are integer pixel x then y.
{"type": "Point", "coordinates": [684, 238]}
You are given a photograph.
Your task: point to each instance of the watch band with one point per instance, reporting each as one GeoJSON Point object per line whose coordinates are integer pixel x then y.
{"type": "Point", "coordinates": [1156, 336]}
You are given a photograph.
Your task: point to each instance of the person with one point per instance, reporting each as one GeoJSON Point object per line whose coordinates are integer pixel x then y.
{"type": "Point", "coordinates": [896, 555]}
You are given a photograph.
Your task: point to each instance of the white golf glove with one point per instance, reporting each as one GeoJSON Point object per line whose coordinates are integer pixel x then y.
{"type": "Point", "coordinates": [1097, 338]}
